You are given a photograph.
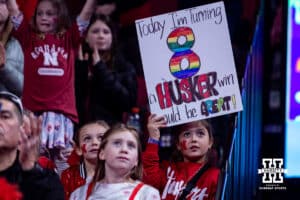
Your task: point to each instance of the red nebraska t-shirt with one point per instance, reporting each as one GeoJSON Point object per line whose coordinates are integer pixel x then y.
{"type": "Point", "coordinates": [49, 70]}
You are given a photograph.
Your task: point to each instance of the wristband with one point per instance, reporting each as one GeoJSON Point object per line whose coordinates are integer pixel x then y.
{"type": "Point", "coordinates": [153, 141]}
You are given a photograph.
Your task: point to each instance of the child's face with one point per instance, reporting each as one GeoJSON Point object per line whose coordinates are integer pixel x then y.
{"type": "Point", "coordinates": [10, 125]}
{"type": "Point", "coordinates": [89, 141]}
{"type": "Point", "coordinates": [99, 35]}
{"type": "Point", "coordinates": [120, 153]}
{"type": "Point", "coordinates": [46, 17]}
{"type": "Point", "coordinates": [194, 143]}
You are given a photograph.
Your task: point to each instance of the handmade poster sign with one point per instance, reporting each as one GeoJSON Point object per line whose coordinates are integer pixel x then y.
{"type": "Point", "coordinates": [188, 64]}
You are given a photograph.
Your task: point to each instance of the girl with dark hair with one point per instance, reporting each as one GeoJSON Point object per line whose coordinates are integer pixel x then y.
{"type": "Point", "coordinates": [119, 169]}
{"type": "Point", "coordinates": [193, 141]}
{"type": "Point", "coordinates": [106, 84]}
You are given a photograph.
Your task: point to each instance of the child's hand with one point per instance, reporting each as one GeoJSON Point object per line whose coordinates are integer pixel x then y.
{"type": "Point", "coordinates": [30, 140]}
{"type": "Point", "coordinates": [2, 55]}
{"type": "Point", "coordinates": [80, 54]}
{"type": "Point", "coordinates": [96, 56]}
{"type": "Point", "coordinates": [154, 123]}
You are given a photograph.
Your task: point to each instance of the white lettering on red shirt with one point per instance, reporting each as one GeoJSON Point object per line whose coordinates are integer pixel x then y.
{"type": "Point", "coordinates": [175, 188]}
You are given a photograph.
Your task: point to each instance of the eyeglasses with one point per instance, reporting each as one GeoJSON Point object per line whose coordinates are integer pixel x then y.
{"type": "Point", "coordinates": [13, 98]}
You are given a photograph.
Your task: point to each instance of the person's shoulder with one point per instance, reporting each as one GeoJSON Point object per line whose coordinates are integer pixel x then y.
{"type": "Point", "coordinates": [72, 168]}
{"type": "Point", "coordinates": [213, 173]}
{"type": "Point", "coordinates": [70, 172]}
{"type": "Point", "coordinates": [79, 193]}
{"type": "Point", "coordinates": [149, 191]}
{"type": "Point", "coordinates": [214, 170]}
{"type": "Point", "coordinates": [150, 188]}
{"type": "Point", "coordinates": [13, 45]}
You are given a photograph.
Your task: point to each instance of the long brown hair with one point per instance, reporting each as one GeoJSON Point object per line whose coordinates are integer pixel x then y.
{"type": "Point", "coordinates": [136, 172]}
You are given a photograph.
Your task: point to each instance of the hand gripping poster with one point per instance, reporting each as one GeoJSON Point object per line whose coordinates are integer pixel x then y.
{"type": "Point", "coordinates": [188, 64]}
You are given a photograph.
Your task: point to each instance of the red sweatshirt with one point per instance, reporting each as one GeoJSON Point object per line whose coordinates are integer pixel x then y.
{"type": "Point", "coordinates": [49, 70]}
{"type": "Point", "coordinates": [71, 179]}
{"type": "Point", "coordinates": [171, 178]}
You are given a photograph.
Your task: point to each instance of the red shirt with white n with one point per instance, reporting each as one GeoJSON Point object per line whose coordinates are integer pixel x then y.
{"type": "Point", "coordinates": [49, 69]}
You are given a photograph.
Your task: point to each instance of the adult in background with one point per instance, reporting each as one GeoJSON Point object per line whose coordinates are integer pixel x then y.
{"type": "Point", "coordinates": [19, 144]}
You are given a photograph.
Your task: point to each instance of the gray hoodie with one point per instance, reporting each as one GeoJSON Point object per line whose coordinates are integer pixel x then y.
{"type": "Point", "coordinates": [11, 75]}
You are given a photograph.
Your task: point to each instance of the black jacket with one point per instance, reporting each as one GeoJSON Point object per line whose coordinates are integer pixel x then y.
{"type": "Point", "coordinates": [35, 184]}
{"type": "Point", "coordinates": [108, 93]}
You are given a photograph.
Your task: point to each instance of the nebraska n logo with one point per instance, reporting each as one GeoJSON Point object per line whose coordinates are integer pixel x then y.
{"type": "Point", "coordinates": [50, 58]}
{"type": "Point", "coordinates": [50, 66]}
{"type": "Point", "coordinates": [272, 170]}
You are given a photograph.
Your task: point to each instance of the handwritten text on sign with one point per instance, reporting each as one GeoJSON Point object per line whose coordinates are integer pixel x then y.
{"type": "Point", "coordinates": [188, 64]}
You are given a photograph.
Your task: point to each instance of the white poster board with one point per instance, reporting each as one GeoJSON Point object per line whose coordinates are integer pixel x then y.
{"type": "Point", "coordinates": [188, 64]}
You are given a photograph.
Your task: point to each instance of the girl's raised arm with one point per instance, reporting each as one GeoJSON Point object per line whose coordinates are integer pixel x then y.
{"type": "Point", "coordinates": [13, 8]}
{"type": "Point", "coordinates": [154, 124]}
{"type": "Point", "coordinates": [87, 10]}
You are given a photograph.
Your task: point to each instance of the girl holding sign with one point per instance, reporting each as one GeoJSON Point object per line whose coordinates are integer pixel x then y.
{"type": "Point", "coordinates": [193, 177]}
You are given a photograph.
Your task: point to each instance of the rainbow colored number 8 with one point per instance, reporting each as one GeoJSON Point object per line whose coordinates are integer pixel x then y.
{"type": "Point", "coordinates": [183, 51]}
